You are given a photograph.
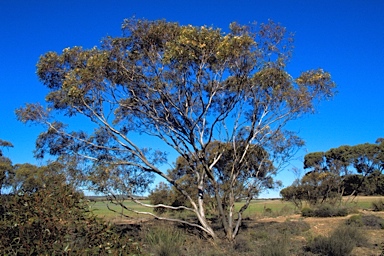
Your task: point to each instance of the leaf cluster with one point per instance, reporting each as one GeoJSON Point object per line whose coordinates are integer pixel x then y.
{"type": "Point", "coordinates": [56, 220]}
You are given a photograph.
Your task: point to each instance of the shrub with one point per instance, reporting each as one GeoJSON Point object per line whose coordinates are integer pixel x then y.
{"type": "Point", "coordinates": [278, 246]}
{"type": "Point", "coordinates": [378, 205]}
{"type": "Point", "coordinates": [355, 220]}
{"type": "Point", "coordinates": [325, 210]}
{"type": "Point", "coordinates": [165, 240]}
{"type": "Point", "coordinates": [307, 212]}
{"type": "Point", "coordinates": [340, 243]}
{"type": "Point", "coordinates": [372, 221]}
{"type": "Point", "coordinates": [286, 210]}
{"type": "Point", "coordinates": [56, 221]}
{"type": "Point", "coordinates": [242, 245]}
{"type": "Point", "coordinates": [382, 253]}
{"type": "Point", "coordinates": [292, 227]}
{"type": "Point", "coordinates": [369, 221]}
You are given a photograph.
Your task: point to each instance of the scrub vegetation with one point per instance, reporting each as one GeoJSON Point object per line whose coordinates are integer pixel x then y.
{"type": "Point", "coordinates": [221, 102]}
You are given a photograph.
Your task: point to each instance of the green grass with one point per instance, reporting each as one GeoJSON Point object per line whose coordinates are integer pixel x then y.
{"type": "Point", "coordinates": [100, 208]}
{"type": "Point", "coordinates": [256, 207]}
{"type": "Point", "coordinates": [364, 202]}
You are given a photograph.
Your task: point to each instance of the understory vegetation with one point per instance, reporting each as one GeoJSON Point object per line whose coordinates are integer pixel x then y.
{"type": "Point", "coordinates": [357, 234]}
{"type": "Point", "coordinates": [221, 101]}
{"type": "Point", "coordinates": [58, 220]}
{"type": "Point", "coordinates": [55, 219]}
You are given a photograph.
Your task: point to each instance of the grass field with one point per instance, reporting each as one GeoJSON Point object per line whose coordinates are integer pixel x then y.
{"type": "Point", "coordinates": [256, 208]}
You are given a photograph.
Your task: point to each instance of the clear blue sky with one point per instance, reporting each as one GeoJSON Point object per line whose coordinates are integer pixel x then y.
{"type": "Point", "coordinates": [344, 37]}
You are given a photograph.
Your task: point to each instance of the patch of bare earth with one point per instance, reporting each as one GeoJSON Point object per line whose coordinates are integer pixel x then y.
{"type": "Point", "coordinates": [325, 226]}
{"type": "Point", "coordinates": [318, 226]}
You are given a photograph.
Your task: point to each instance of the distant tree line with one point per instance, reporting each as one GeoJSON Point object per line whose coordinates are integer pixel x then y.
{"type": "Point", "coordinates": [342, 171]}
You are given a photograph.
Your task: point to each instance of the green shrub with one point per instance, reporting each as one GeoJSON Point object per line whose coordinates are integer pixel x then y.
{"type": "Point", "coordinates": [340, 243]}
{"type": "Point", "coordinates": [369, 221]}
{"type": "Point", "coordinates": [292, 227]}
{"type": "Point", "coordinates": [286, 210]}
{"type": "Point", "coordinates": [56, 221]}
{"type": "Point", "coordinates": [325, 210]}
{"type": "Point", "coordinates": [165, 240]}
{"type": "Point", "coordinates": [372, 221]}
{"type": "Point", "coordinates": [378, 205]}
{"type": "Point", "coordinates": [355, 220]}
{"type": "Point", "coordinates": [278, 246]}
{"type": "Point", "coordinates": [242, 245]}
{"type": "Point", "coordinates": [307, 212]}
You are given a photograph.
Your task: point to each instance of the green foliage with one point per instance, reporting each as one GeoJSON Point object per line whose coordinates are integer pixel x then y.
{"type": "Point", "coordinates": [165, 240]}
{"type": "Point", "coordinates": [355, 220]}
{"type": "Point", "coordinates": [325, 210]}
{"type": "Point", "coordinates": [378, 205]}
{"type": "Point", "coordinates": [242, 245]}
{"type": "Point", "coordinates": [372, 221]}
{"type": "Point", "coordinates": [55, 220]}
{"type": "Point", "coordinates": [307, 212]}
{"type": "Point", "coordinates": [276, 247]}
{"type": "Point", "coordinates": [161, 195]}
{"type": "Point", "coordinates": [340, 243]}
{"type": "Point", "coordinates": [331, 176]}
{"type": "Point", "coordinates": [188, 87]}
{"type": "Point", "coordinates": [6, 173]}
{"type": "Point", "coordinates": [4, 144]}
{"type": "Point", "coordinates": [6, 168]}
{"type": "Point", "coordinates": [367, 220]}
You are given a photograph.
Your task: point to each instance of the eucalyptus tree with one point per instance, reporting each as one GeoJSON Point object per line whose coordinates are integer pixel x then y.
{"type": "Point", "coordinates": [345, 170]}
{"type": "Point", "coordinates": [6, 167]}
{"type": "Point", "coordinates": [257, 167]}
{"type": "Point", "coordinates": [185, 86]}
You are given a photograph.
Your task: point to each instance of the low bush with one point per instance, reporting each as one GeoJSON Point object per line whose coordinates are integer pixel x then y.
{"type": "Point", "coordinates": [242, 244]}
{"type": "Point", "coordinates": [378, 205]}
{"type": "Point", "coordinates": [355, 220]}
{"type": "Point", "coordinates": [278, 246]}
{"type": "Point", "coordinates": [325, 210]}
{"type": "Point", "coordinates": [56, 221]}
{"type": "Point", "coordinates": [292, 227]}
{"type": "Point", "coordinates": [340, 243]}
{"type": "Point", "coordinates": [307, 212]}
{"type": "Point", "coordinates": [368, 221]}
{"type": "Point", "coordinates": [286, 210]}
{"type": "Point", "coordinates": [165, 240]}
{"type": "Point", "coordinates": [372, 221]}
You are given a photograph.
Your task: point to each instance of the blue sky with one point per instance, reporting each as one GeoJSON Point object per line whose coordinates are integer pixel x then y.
{"type": "Point", "coordinates": [344, 37]}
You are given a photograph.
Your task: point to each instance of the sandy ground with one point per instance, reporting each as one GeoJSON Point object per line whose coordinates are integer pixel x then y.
{"type": "Point", "coordinates": [324, 226]}
{"type": "Point", "coordinates": [319, 226]}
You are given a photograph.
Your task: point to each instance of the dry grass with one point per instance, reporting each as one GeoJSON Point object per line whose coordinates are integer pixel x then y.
{"type": "Point", "coordinates": [261, 228]}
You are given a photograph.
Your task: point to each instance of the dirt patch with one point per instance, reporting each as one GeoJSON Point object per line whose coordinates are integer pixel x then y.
{"type": "Point", "coordinates": [255, 229]}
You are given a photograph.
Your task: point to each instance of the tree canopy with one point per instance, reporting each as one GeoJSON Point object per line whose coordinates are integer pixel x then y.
{"type": "Point", "coordinates": [6, 168]}
{"type": "Point", "coordinates": [257, 166]}
{"type": "Point", "coordinates": [187, 87]}
{"type": "Point", "coordinates": [346, 170]}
